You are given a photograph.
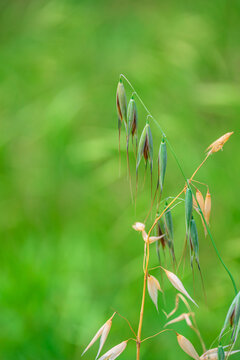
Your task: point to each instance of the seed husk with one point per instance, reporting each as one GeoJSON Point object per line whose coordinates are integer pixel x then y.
{"type": "Point", "coordinates": [176, 282]}
{"type": "Point", "coordinates": [114, 352]}
{"type": "Point", "coordinates": [102, 333]}
{"type": "Point", "coordinates": [153, 288]}
{"type": "Point", "coordinates": [187, 347]}
{"type": "Point", "coordinates": [207, 208]}
{"type": "Point", "coordinates": [218, 144]}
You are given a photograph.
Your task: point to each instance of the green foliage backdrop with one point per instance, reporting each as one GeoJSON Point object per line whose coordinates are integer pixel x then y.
{"type": "Point", "coordinates": [68, 254]}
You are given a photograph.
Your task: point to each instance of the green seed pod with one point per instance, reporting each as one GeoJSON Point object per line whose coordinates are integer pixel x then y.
{"type": "Point", "coordinates": [221, 354]}
{"type": "Point", "coordinates": [121, 101]}
{"type": "Point", "coordinates": [169, 231]}
{"type": "Point", "coordinates": [141, 146]}
{"type": "Point", "coordinates": [145, 148]}
{"type": "Point", "coordinates": [230, 317]}
{"type": "Point", "coordinates": [150, 143]}
{"type": "Point", "coordinates": [194, 239]}
{"type": "Point", "coordinates": [188, 207]}
{"type": "Point", "coordinates": [236, 319]}
{"type": "Point", "coordinates": [168, 222]}
{"type": "Point", "coordinates": [162, 162]}
{"type": "Point", "coordinates": [132, 118]}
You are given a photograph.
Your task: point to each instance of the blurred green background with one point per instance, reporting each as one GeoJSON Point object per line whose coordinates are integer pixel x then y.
{"type": "Point", "coordinates": [68, 253]}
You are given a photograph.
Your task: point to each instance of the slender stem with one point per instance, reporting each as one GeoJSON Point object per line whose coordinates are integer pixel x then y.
{"type": "Point", "coordinates": [199, 167]}
{"type": "Point", "coordinates": [127, 323]}
{"type": "Point", "coordinates": [160, 332]}
{"type": "Point", "coordinates": [143, 302]}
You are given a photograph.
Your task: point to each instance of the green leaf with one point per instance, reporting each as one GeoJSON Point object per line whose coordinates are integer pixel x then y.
{"type": "Point", "coordinates": [221, 353]}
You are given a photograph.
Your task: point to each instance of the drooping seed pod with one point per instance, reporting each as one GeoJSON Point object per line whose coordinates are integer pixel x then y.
{"type": "Point", "coordinates": [132, 118]}
{"type": "Point", "coordinates": [176, 282]}
{"type": "Point", "coordinates": [232, 317]}
{"type": "Point", "coordinates": [187, 347]}
{"type": "Point", "coordinates": [162, 162]}
{"type": "Point", "coordinates": [153, 288]}
{"type": "Point", "coordinates": [168, 224]}
{"type": "Point", "coordinates": [188, 208]}
{"type": "Point", "coordinates": [200, 200]}
{"type": "Point", "coordinates": [194, 240]}
{"type": "Point", "coordinates": [121, 102]}
{"type": "Point", "coordinates": [114, 352]}
{"type": "Point", "coordinates": [102, 333]}
{"type": "Point", "coordinates": [145, 148]}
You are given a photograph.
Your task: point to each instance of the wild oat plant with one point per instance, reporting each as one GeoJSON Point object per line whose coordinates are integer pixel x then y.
{"type": "Point", "coordinates": [196, 204]}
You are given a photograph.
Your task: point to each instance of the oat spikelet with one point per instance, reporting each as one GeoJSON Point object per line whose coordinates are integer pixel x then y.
{"type": "Point", "coordinates": [187, 347]}
{"type": "Point", "coordinates": [181, 317]}
{"type": "Point", "coordinates": [207, 209]}
{"type": "Point", "coordinates": [200, 199]}
{"type": "Point", "coordinates": [138, 226]}
{"type": "Point", "coordinates": [153, 288]}
{"type": "Point", "coordinates": [114, 352]}
{"type": "Point", "coordinates": [103, 332]}
{"type": "Point", "coordinates": [218, 144]}
{"type": "Point", "coordinates": [176, 282]}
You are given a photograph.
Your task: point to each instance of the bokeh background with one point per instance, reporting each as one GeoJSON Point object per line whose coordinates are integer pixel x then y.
{"type": "Point", "coordinates": [68, 254]}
